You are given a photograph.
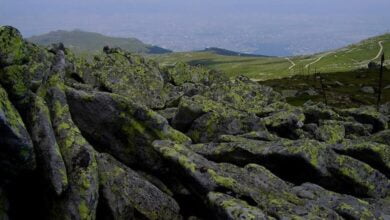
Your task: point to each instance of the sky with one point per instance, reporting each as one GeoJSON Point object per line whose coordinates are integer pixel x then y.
{"type": "Point", "coordinates": [270, 27]}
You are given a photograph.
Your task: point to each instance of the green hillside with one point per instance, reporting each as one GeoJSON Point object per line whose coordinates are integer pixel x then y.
{"type": "Point", "coordinates": [89, 42]}
{"type": "Point", "coordinates": [349, 58]}
{"type": "Point", "coordinates": [224, 52]}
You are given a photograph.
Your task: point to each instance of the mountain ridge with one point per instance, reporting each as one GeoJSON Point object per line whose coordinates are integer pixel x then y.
{"type": "Point", "coordinates": [81, 41]}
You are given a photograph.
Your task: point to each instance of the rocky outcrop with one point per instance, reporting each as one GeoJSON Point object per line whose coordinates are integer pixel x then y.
{"type": "Point", "coordinates": [116, 137]}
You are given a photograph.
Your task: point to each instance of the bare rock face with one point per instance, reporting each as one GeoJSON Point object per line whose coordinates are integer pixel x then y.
{"type": "Point", "coordinates": [117, 137]}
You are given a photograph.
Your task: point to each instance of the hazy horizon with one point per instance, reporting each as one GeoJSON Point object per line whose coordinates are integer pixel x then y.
{"type": "Point", "coordinates": [271, 27]}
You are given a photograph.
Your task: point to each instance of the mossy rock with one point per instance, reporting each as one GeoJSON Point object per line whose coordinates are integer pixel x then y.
{"type": "Point", "coordinates": [13, 50]}
{"type": "Point", "coordinates": [128, 195]}
{"type": "Point", "coordinates": [368, 115]}
{"type": "Point", "coordinates": [131, 76]}
{"type": "Point", "coordinates": [253, 182]}
{"type": "Point", "coordinates": [242, 94]}
{"type": "Point", "coordinates": [182, 73]}
{"type": "Point", "coordinates": [121, 127]}
{"type": "Point", "coordinates": [17, 152]}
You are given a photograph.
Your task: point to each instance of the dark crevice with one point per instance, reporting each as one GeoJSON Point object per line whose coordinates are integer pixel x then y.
{"type": "Point", "coordinates": [296, 170]}
{"type": "Point", "coordinates": [344, 184]}
{"type": "Point", "coordinates": [248, 200]}
{"type": "Point", "coordinates": [104, 88]}
{"type": "Point", "coordinates": [76, 77]}
{"type": "Point", "coordinates": [367, 156]}
{"type": "Point", "coordinates": [190, 205]}
{"type": "Point", "coordinates": [293, 169]}
{"type": "Point", "coordinates": [139, 216]}
{"type": "Point", "coordinates": [346, 216]}
{"type": "Point", "coordinates": [185, 127]}
{"type": "Point", "coordinates": [284, 132]}
{"type": "Point", "coordinates": [103, 211]}
{"type": "Point", "coordinates": [26, 197]}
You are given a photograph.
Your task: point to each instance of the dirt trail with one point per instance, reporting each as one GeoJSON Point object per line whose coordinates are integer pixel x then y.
{"type": "Point", "coordinates": [380, 50]}
{"type": "Point", "coordinates": [317, 60]}
{"type": "Point", "coordinates": [292, 63]}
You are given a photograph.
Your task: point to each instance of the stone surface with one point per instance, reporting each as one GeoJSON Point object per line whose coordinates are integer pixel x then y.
{"type": "Point", "coordinates": [129, 196]}
{"type": "Point", "coordinates": [16, 148]}
{"type": "Point", "coordinates": [368, 89]}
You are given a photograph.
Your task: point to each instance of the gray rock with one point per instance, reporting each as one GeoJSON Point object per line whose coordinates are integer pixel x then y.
{"type": "Point", "coordinates": [368, 89]}
{"type": "Point", "coordinates": [309, 92]}
{"type": "Point", "coordinates": [16, 151]}
{"type": "Point", "coordinates": [289, 93]}
{"type": "Point", "coordinates": [367, 115]}
{"type": "Point", "coordinates": [252, 183]}
{"type": "Point", "coordinates": [121, 127]}
{"type": "Point", "coordinates": [46, 147]}
{"type": "Point", "coordinates": [129, 196]}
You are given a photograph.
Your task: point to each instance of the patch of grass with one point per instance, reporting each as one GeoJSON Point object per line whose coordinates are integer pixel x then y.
{"type": "Point", "coordinates": [343, 89]}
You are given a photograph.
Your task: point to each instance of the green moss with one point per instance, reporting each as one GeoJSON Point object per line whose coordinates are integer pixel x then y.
{"type": "Point", "coordinates": [59, 109]}
{"type": "Point", "coordinates": [63, 125]}
{"type": "Point", "coordinates": [12, 45]}
{"type": "Point", "coordinates": [174, 153]}
{"type": "Point", "coordinates": [11, 114]}
{"type": "Point", "coordinates": [14, 77]}
{"type": "Point", "coordinates": [226, 182]}
{"type": "Point", "coordinates": [64, 177]}
{"type": "Point", "coordinates": [84, 211]}
{"type": "Point", "coordinates": [308, 148]}
{"type": "Point", "coordinates": [346, 168]}
{"type": "Point", "coordinates": [332, 132]}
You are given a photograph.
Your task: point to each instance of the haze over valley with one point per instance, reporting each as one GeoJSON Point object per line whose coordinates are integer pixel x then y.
{"type": "Point", "coordinates": [276, 27]}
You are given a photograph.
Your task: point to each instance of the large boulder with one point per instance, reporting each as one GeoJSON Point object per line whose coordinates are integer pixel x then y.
{"type": "Point", "coordinates": [205, 120]}
{"type": "Point", "coordinates": [242, 94]}
{"type": "Point", "coordinates": [367, 115]}
{"type": "Point", "coordinates": [131, 76]}
{"type": "Point", "coordinates": [117, 125]}
{"type": "Point", "coordinates": [182, 73]}
{"type": "Point", "coordinates": [13, 47]}
{"type": "Point", "coordinates": [49, 156]}
{"type": "Point", "coordinates": [253, 184]}
{"type": "Point", "coordinates": [21, 64]}
{"type": "Point", "coordinates": [16, 148]}
{"type": "Point", "coordinates": [127, 195]}
{"type": "Point", "coordinates": [303, 161]}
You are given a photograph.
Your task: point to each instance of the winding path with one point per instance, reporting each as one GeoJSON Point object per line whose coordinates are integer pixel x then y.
{"type": "Point", "coordinates": [380, 50]}
{"type": "Point", "coordinates": [292, 63]}
{"type": "Point", "coordinates": [317, 60]}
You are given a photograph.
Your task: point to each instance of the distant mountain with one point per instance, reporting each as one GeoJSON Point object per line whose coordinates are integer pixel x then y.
{"type": "Point", "coordinates": [224, 52]}
{"type": "Point", "coordinates": [89, 42]}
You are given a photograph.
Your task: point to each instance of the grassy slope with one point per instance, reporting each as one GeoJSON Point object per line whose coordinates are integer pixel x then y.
{"type": "Point", "coordinates": [89, 42]}
{"type": "Point", "coordinates": [262, 68]}
{"type": "Point", "coordinates": [346, 94]}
